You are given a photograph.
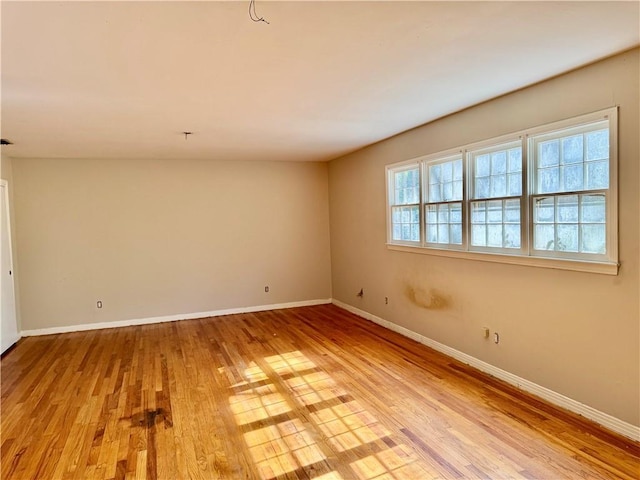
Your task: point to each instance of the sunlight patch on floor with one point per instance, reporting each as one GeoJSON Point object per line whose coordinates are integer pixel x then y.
{"type": "Point", "coordinates": [333, 425]}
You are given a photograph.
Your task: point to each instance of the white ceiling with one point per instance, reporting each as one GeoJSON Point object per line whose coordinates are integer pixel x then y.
{"type": "Point", "coordinates": [124, 79]}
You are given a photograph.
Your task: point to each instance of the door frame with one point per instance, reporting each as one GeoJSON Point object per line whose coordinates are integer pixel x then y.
{"type": "Point", "coordinates": [8, 343]}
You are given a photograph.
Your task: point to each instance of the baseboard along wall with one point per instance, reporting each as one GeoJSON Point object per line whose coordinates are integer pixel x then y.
{"type": "Point", "coordinates": [171, 318]}
{"type": "Point", "coordinates": [604, 419]}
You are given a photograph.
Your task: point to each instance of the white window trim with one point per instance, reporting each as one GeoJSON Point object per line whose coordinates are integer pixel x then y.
{"type": "Point", "coordinates": [407, 165]}
{"type": "Point", "coordinates": [425, 162]}
{"type": "Point", "coordinates": [518, 257]}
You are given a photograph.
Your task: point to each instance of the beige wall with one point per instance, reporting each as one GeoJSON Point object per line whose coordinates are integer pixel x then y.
{"type": "Point", "coordinates": [575, 333]}
{"type": "Point", "coordinates": [156, 238]}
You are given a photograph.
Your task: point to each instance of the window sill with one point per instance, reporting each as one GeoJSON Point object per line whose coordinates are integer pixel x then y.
{"type": "Point", "coordinates": [542, 262]}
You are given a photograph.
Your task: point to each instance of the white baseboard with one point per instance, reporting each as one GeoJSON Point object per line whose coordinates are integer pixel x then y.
{"type": "Point", "coordinates": [604, 419]}
{"type": "Point", "coordinates": [170, 318]}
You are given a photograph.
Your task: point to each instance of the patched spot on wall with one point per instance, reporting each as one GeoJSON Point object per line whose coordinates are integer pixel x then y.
{"type": "Point", "coordinates": [431, 299]}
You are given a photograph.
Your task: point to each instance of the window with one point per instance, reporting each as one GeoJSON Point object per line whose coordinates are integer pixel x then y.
{"type": "Point", "coordinates": [496, 188]}
{"type": "Point", "coordinates": [570, 194]}
{"type": "Point", "coordinates": [404, 192]}
{"type": "Point", "coordinates": [443, 208]}
{"type": "Point", "coordinates": [545, 196]}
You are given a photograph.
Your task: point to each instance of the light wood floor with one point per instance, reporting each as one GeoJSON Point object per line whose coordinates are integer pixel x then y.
{"type": "Point", "coordinates": [302, 393]}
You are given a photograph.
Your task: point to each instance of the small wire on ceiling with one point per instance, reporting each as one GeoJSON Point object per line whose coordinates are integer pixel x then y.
{"type": "Point", "coordinates": [253, 15]}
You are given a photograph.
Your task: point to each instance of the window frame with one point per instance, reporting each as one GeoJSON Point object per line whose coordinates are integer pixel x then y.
{"type": "Point", "coordinates": [506, 142]}
{"type": "Point", "coordinates": [526, 255]}
{"type": "Point", "coordinates": [390, 170]}
{"type": "Point", "coordinates": [437, 159]}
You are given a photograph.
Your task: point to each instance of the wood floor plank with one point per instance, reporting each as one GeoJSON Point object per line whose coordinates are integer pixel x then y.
{"type": "Point", "coordinates": [302, 393]}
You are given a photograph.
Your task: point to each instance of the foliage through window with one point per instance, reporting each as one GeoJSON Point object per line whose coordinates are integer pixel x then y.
{"type": "Point", "coordinates": [548, 192]}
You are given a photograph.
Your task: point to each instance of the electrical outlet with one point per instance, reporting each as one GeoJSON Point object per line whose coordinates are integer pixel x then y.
{"type": "Point", "coordinates": [386, 300]}
{"type": "Point", "coordinates": [496, 337]}
{"type": "Point", "coordinates": [266, 289]}
{"type": "Point", "coordinates": [99, 304]}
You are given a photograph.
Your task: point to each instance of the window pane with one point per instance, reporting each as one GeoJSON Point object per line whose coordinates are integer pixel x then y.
{"type": "Point", "coordinates": [415, 232]}
{"type": "Point", "coordinates": [456, 213]}
{"type": "Point", "coordinates": [548, 180]}
{"type": "Point", "coordinates": [572, 149]}
{"type": "Point", "coordinates": [597, 175]}
{"type": "Point", "coordinates": [406, 187]}
{"type": "Point", "coordinates": [512, 211]}
{"type": "Point", "coordinates": [498, 186]}
{"type": "Point", "coordinates": [567, 238]}
{"type": "Point", "coordinates": [512, 236]}
{"type": "Point", "coordinates": [443, 185]}
{"type": "Point", "coordinates": [593, 209]}
{"type": "Point", "coordinates": [457, 170]}
{"type": "Point", "coordinates": [498, 163]}
{"type": "Point", "coordinates": [568, 209]}
{"type": "Point", "coordinates": [515, 184]}
{"type": "Point", "coordinates": [482, 187]}
{"type": "Point", "coordinates": [478, 212]}
{"type": "Point", "coordinates": [446, 172]}
{"type": "Point", "coordinates": [457, 190]}
{"type": "Point", "coordinates": [498, 174]}
{"type": "Point", "coordinates": [415, 215]}
{"type": "Point", "coordinates": [515, 160]}
{"type": "Point", "coordinates": [544, 237]}
{"type": "Point", "coordinates": [435, 195]}
{"type": "Point", "coordinates": [434, 174]}
{"type": "Point", "coordinates": [549, 154]}
{"type": "Point", "coordinates": [544, 210]}
{"type": "Point", "coordinates": [444, 223]}
{"type": "Point", "coordinates": [447, 192]}
{"type": "Point", "coordinates": [456, 234]}
{"type": "Point", "coordinates": [593, 238]}
{"type": "Point", "coordinates": [432, 233]}
{"type": "Point", "coordinates": [483, 166]}
{"type": "Point", "coordinates": [494, 235]}
{"type": "Point", "coordinates": [479, 235]}
{"type": "Point", "coordinates": [443, 213]}
{"type": "Point", "coordinates": [405, 223]}
{"type": "Point", "coordinates": [563, 223]}
{"type": "Point", "coordinates": [583, 159]}
{"type": "Point", "coordinates": [414, 195]}
{"type": "Point", "coordinates": [432, 214]}
{"type": "Point", "coordinates": [494, 211]}
{"type": "Point", "coordinates": [496, 223]}
{"type": "Point", "coordinates": [443, 233]}
{"type": "Point", "coordinates": [573, 177]}
{"type": "Point", "coordinates": [598, 145]}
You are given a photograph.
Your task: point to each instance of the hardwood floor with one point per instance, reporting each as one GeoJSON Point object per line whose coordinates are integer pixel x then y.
{"type": "Point", "coordinates": [301, 393]}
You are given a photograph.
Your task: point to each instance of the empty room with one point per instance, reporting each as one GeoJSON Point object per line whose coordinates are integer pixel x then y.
{"type": "Point", "coordinates": [320, 239]}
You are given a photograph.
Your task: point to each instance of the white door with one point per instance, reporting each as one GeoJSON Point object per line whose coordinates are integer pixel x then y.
{"type": "Point", "coordinates": [9, 331]}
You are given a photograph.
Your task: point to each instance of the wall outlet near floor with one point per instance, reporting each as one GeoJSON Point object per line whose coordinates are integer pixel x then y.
{"type": "Point", "coordinates": [496, 337]}
{"type": "Point", "coordinates": [99, 304]}
{"type": "Point", "coordinates": [266, 289]}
